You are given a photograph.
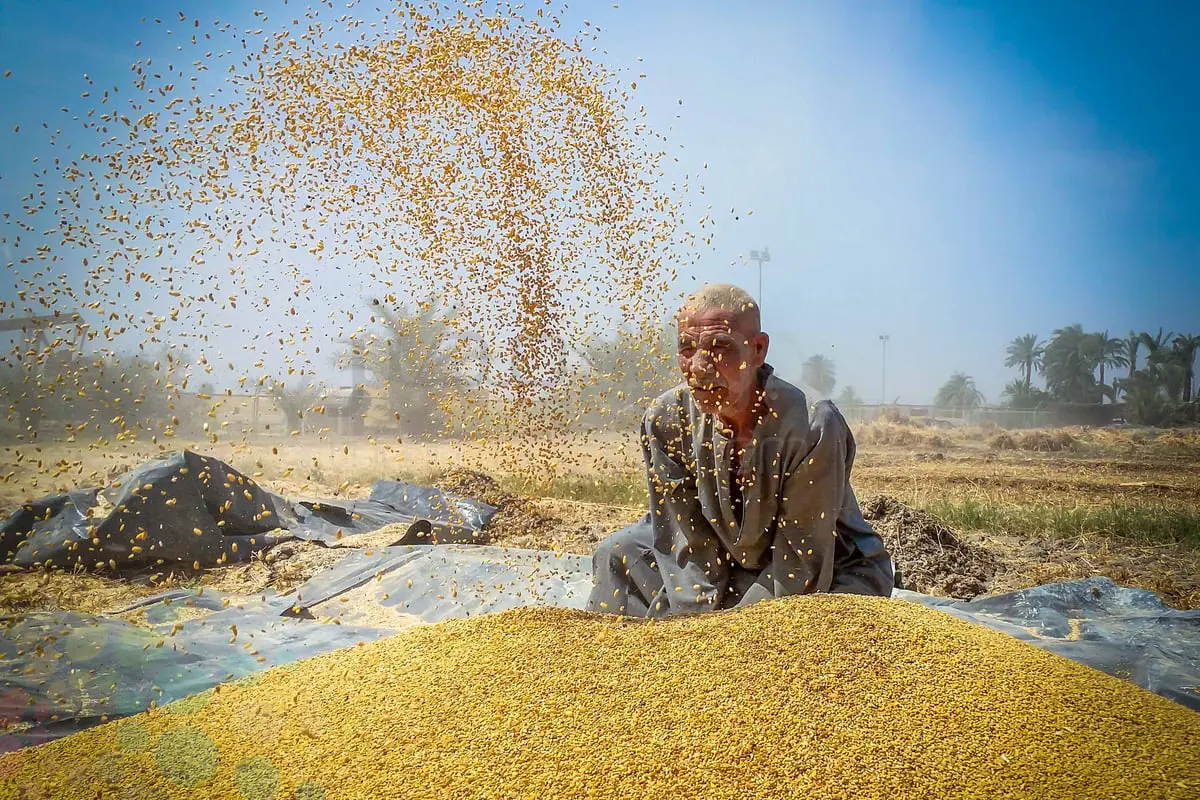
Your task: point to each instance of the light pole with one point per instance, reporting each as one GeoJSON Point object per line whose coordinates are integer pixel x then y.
{"type": "Point", "coordinates": [760, 256]}
{"type": "Point", "coordinates": [883, 337]}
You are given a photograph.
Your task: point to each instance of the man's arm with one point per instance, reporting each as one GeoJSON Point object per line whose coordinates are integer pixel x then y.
{"type": "Point", "coordinates": [695, 576]}
{"type": "Point", "coordinates": [812, 495]}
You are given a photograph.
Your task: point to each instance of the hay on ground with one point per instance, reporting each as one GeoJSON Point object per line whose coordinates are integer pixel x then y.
{"type": "Point", "coordinates": [1003, 441]}
{"type": "Point", "coordinates": [887, 434]}
{"type": "Point", "coordinates": [1034, 441]}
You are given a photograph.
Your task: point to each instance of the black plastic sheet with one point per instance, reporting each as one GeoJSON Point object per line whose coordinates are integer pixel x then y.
{"type": "Point", "coordinates": [330, 521]}
{"type": "Point", "coordinates": [184, 508]}
{"type": "Point", "coordinates": [432, 504]}
{"type": "Point", "coordinates": [198, 511]}
{"type": "Point", "coordinates": [57, 522]}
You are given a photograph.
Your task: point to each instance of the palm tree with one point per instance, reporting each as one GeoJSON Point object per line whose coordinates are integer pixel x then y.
{"type": "Point", "coordinates": [1109, 353]}
{"type": "Point", "coordinates": [959, 392]}
{"type": "Point", "coordinates": [1185, 347]}
{"type": "Point", "coordinates": [1165, 363]}
{"type": "Point", "coordinates": [1154, 344]}
{"type": "Point", "coordinates": [1069, 365]}
{"type": "Point", "coordinates": [1147, 400]}
{"type": "Point", "coordinates": [818, 373]}
{"type": "Point", "coordinates": [849, 397]}
{"type": "Point", "coordinates": [1132, 342]}
{"type": "Point", "coordinates": [1024, 397]}
{"type": "Point", "coordinates": [1170, 373]}
{"type": "Point", "coordinates": [1025, 352]}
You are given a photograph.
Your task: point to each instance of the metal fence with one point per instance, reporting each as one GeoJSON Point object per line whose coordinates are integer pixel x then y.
{"type": "Point", "coordinates": [952, 417]}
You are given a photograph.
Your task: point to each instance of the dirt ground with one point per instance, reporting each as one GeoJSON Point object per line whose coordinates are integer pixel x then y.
{"type": "Point", "coordinates": [1096, 470]}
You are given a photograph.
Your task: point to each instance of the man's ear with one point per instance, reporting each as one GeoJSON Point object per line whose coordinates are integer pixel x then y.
{"type": "Point", "coordinates": [761, 342]}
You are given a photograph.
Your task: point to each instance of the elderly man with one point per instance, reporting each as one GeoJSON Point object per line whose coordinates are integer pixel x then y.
{"type": "Point", "coordinates": [750, 493]}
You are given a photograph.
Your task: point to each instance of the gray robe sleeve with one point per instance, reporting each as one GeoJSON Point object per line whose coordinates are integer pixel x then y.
{"type": "Point", "coordinates": [691, 557]}
{"type": "Point", "coordinates": [814, 489]}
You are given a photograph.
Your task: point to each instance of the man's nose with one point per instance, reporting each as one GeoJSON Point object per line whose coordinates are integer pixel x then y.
{"type": "Point", "coordinates": [703, 363]}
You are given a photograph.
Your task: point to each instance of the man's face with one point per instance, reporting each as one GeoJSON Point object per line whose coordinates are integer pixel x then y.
{"type": "Point", "coordinates": [719, 357]}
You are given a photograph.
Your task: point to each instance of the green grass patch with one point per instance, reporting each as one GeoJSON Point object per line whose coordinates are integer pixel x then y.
{"type": "Point", "coordinates": [1140, 523]}
{"type": "Point", "coordinates": [1150, 524]}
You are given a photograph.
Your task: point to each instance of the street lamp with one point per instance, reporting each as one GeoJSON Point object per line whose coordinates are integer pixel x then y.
{"type": "Point", "coordinates": [884, 338]}
{"type": "Point", "coordinates": [760, 256]}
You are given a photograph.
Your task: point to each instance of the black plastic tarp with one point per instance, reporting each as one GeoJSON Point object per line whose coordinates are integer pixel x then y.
{"type": "Point", "coordinates": [45, 530]}
{"type": "Point", "coordinates": [195, 510]}
{"type": "Point", "coordinates": [432, 504]}
{"type": "Point", "coordinates": [330, 521]}
{"type": "Point", "coordinates": [184, 508]}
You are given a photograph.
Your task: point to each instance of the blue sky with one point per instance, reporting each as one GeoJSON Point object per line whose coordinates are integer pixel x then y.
{"type": "Point", "coordinates": [951, 174]}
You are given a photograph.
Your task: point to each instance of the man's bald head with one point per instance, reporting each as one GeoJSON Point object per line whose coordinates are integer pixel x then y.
{"type": "Point", "coordinates": [721, 348]}
{"type": "Point", "coordinates": [723, 297]}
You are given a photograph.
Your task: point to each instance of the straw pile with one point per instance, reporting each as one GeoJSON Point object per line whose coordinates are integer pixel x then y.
{"type": "Point", "coordinates": [828, 696]}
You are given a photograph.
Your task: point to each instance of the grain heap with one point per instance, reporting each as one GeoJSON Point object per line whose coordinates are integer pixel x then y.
{"type": "Point", "coordinates": [930, 557]}
{"type": "Point", "coordinates": [827, 696]}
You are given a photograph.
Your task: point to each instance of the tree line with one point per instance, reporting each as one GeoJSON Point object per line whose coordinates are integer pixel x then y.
{"type": "Point", "coordinates": [625, 368]}
{"type": "Point", "coordinates": [423, 361]}
{"type": "Point", "coordinates": [1153, 374]}
{"type": "Point", "coordinates": [147, 393]}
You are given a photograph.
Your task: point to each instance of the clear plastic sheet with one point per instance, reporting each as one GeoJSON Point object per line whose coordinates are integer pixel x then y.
{"type": "Point", "coordinates": [447, 582]}
{"type": "Point", "coordinates": [1128, 633]}
{"type": "Point", "coordinates": [66, 672]}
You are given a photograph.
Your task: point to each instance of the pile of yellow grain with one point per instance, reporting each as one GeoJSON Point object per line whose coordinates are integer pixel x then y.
{"type": "Point", "coordinates": [815, 697]}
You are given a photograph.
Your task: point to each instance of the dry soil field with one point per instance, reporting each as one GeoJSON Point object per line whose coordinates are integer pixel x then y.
{"type": "Point", "coordinates": [1008, 510]}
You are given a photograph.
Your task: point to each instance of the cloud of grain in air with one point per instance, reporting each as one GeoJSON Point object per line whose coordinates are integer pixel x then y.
{"type": "Point", "coordinates": [462, 190]}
